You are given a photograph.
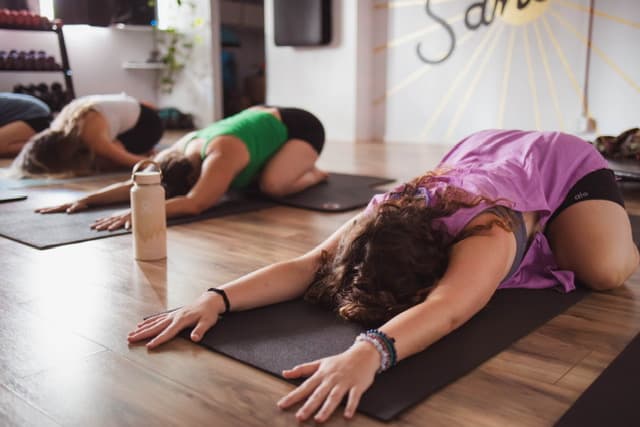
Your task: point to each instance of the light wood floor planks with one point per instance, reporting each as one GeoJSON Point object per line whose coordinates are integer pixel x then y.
{"type": "Point", "coordinates": [65, 312]}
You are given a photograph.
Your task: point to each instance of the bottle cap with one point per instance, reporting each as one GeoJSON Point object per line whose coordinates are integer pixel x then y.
{"type": "Point", "coordinates": [146, 176]}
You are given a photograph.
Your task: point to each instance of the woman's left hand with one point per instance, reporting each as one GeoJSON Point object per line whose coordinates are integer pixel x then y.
{"type": "Point", "coordinates": [113, 222]}
{"type": "Point", "coordinates": [330, 379]}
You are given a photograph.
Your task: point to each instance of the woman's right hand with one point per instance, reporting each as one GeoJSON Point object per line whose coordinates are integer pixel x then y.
{"type": "Point", "coordinates": [77, 206]}
{"type": "Point", "coordinates": [203, 313]}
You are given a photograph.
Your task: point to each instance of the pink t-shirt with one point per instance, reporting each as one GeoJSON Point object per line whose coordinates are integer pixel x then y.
{"type": "Point", "coordinates": [531, 171]}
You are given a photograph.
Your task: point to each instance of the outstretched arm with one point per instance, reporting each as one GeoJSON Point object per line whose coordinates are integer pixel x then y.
{"type": "Point", "coordinates": [476, 267]}
{"type": "Point", "coordinates": [218, 170]}
{"type": "Point", "coordinates": [114, 193]}
{"type": "Point", "coordinates": [95, 134]}
{"type": "Point", "coordinates": [275, 283]}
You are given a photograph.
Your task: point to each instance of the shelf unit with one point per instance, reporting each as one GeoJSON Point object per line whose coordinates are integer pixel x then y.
{"type": "Point", "coordinates": [139, 65]}
{"type": "Point", "coordinates": [65, 69]}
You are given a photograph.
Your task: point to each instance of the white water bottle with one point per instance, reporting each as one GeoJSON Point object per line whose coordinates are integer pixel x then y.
{"type": "Point", "coordinates": [148, 214]}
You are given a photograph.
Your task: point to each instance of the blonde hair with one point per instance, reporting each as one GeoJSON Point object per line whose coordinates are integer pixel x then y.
{"type": "Point", "coordinates": [58, 151]}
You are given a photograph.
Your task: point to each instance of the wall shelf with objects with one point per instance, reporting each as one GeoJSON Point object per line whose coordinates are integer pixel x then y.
{"type": "Point", "coordinates": [139, 65]}
{"type": "Point", "coordinates": [134, 28]}
{"type": "Point", "coordinates": [36, 61]}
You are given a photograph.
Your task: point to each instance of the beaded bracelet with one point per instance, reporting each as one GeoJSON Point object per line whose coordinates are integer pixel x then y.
{"type": "Point", "coordinates": [384, 355]}
{"type": "Point", "coordinates": [223, 294]}
{"type": "Point", "coordinates": [383, 344]}
{"type": "Point", "coordinates": [388, 343]}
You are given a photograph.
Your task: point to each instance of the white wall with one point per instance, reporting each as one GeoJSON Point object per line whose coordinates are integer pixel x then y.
{"type": "Point", "coordinates": [369, 83]}
{"type": "Point", "coordinates": [472, 89]}
{"type": "Point", "coordinates": [320, 79]}
{"type": "Point", "coordinates": [614, 100]}
{"type": "Point", "coordinates": [95, 54]}
{"type": "Point", "coordinates": [197, 83]}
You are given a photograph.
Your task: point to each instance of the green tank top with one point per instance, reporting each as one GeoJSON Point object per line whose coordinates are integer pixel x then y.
{"type": "Point", "coordinates": [261, 132]}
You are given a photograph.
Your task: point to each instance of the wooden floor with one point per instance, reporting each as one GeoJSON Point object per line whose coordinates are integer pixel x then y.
{"type": "Point", "coordinates": [65, 313]}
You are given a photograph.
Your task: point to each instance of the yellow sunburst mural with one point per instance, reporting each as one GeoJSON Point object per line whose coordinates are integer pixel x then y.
{"type": "Point", "coordinates": [455, 66]}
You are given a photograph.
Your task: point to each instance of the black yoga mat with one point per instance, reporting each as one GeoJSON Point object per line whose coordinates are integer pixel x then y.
{"type": "Point", "coordinates": [625, 169]}
{"type": "Point", "coordinates": [281, 336]}
{"type": "Point", "coordinates": [340, 192]}
{"type": "Point", "coordinates": [612, 400]}
{"type": "Point", "coordinates": [19, 222]}
{"type": "Point", "coordinates": [17, 183]}
{"type": "Point", "coordinates": [11, 196]}
{"type": "Point", "coordinates": [635, 227]}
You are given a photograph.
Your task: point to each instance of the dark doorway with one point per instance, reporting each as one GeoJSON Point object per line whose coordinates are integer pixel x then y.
{"type": "Point", "coordinates": [242, 54]}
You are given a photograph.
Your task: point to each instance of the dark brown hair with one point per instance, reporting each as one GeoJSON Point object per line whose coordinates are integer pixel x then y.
{"type": "Point", "coordinates": [393, 257]}
{"type": "Point", "coordinates": [178, 174]}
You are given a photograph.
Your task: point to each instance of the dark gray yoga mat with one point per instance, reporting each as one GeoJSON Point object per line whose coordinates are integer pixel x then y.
{"type": "Point", "coordinates": [16, 183]}
{"type": "Point", "coordinates": [19, 222]}
{"type": "Point", "coordinates": [612, 399]}
{"type": "Point", "coordinates": [11, 196]}
{"type": "Point", "coordinates": [339, 193]}
{"type": "Point", "coordinates": [625, 169]}
{"type": "Point", "coordinates": [281, 336]}
{"type": "Point", "coordinates": [635, 227]}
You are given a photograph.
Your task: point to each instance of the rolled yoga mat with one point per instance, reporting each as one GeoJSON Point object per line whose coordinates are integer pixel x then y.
{"type": "Point", "coordinates": [612, 400]}
{"type": "Point", "coordinates": [18, 221]}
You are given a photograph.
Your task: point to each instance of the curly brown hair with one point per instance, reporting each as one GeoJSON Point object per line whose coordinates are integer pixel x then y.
{"type": "Point", "coordinates": [391, 259]}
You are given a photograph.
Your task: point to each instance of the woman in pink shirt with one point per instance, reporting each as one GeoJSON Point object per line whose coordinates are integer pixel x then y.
{"type": "Point", "coordinates": [504, 209]}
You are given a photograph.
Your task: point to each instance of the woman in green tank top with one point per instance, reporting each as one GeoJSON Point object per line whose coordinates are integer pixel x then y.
{"type": "Point", "coordinates": [272, 148]}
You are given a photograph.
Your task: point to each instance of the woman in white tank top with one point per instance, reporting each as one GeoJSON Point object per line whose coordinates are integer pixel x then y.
{"type": "Point", "coordinates": [95, 132]}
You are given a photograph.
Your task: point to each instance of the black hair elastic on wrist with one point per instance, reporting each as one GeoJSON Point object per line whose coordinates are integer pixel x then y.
{"type": "Point", "coordinates": [223, 294]}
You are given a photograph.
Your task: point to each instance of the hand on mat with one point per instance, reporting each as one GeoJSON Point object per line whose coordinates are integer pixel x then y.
{"type": "Point", "coordinates": [113, 222]}
{"type": "Point", "coordinates": [203, 313]}
{"type": "Point", "coordinates": [72, 207]}
{"type": "Point", "coordinates": [330, 379]}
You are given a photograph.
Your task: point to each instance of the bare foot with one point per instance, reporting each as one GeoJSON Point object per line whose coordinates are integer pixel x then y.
{"type": "Point", "coordinates": [318, 174]}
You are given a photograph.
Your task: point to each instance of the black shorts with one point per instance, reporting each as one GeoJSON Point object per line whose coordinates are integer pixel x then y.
{"type": "Point", "coordinates": [303, 125]}
{"type": "Point", "coordinates": [597, 185]}
{"type": "Point", "coordinates": [144, 134]}
{"type": "Point", "coordinates": [38, 124]}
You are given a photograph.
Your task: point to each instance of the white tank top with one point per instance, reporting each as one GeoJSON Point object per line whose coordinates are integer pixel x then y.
{"type": "Point", "coordinates": [121, 111]}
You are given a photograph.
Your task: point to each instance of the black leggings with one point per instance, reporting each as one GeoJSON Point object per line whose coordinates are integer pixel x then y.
{"type": "Point", "coordinates": [600, 184]}
{"type": "Point", "coordinates": [145, 133]}
{"type": "Point", "coordinates": [38, 124]}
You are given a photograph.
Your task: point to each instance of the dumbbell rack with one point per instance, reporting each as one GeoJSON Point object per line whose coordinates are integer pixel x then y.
{"type": "Point", "coordinates": [65, 69]}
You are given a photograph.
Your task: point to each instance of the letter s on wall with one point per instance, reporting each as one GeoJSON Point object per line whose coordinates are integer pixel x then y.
{"type": "Point", "coordinates": [449, 30]}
